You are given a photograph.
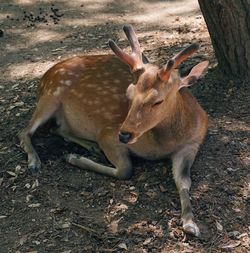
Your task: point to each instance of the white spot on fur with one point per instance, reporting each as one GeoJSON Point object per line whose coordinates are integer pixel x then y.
{"type": "Point", "coordinates": [68, 82]}
{"type": "Point", "coordinates": [61, 71]}
{"type": "Point", "coordinates": [116, 96]}
{"type": "Point", "coordinates": [108, 115]}
{"type": "Point", "coordinates": [86, 77]}
{"type": "Point", "coordinates": [97, 111]}
{"type": "Point", "coordinates": [89, 85]}
{"type": "Point", "coordinates": [65, 82]}
{"type": "Point", "coordinates": [117, 81]}
{"type": "Point", "coordinates": [58, 91]}
{"type": "Point", "coordinates": [73, 91]}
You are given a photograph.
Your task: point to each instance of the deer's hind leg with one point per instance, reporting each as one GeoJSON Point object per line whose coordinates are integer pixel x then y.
{"type": "Point", "coordinates": [182, 162]}
{"type": "Point", "coordinates": [46, 108]}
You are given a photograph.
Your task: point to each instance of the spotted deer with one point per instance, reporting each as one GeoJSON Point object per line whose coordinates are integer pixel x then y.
{"type": "Point", "coordinates": [124, 106]}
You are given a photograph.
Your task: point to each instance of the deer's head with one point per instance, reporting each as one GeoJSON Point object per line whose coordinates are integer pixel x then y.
{"type": "Point", "coordinates": [153, 95]}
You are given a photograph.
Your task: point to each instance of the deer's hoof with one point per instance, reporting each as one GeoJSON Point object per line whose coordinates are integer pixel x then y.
{"type": "Point", "coordinates": [70, 158]}
{"type": "Point", "coordinates": [192, 229]}
{"type": "Point", "coordinates": [67, 157]}
{"type": "Point", "coordinates": [34, 168]}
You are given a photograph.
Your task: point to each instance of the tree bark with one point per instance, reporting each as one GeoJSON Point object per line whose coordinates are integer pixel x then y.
{"type": "Point", "coordinates": [228, 23]}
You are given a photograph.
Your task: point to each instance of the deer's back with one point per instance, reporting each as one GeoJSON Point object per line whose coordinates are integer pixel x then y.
{"type": "Point", "coordinates": [91, 91]}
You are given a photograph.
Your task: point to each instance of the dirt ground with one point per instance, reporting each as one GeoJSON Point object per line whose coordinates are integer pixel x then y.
{"type": "Point", "coordinates": [65, 209]}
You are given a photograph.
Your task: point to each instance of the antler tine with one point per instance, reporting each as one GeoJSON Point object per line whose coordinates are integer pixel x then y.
{"type": "Point", "coordinates": [165, 71]}
{"type": "Point", "coordinates": [133, 40]}
{"type": "Point", "coordinates": [122, 55]}
{"type": "Point", "coordinates": [184, 54]}
{"type": "Point", "coordinates": [135, 59]}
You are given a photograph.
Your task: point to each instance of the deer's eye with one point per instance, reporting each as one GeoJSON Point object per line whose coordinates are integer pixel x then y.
{"type": "Point", "coordinates": [157, 103]}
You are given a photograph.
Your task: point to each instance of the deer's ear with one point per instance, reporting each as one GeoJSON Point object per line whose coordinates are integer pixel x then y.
{"type": "Point", "coordinates": [196, 72]}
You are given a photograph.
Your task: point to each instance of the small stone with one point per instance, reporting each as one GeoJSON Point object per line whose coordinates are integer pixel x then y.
{"type": "Point", "coordinates": [219, 226]}
{"type": "Point", "coordinates": [27, 185]}
{"type": "Point", "coordinates": [66, 225]}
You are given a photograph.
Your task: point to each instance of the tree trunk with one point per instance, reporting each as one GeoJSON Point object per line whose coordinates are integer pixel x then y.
{"type": "Point", "coordinates": [228, 23]}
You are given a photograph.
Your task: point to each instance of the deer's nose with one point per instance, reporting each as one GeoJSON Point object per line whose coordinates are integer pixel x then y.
{"type": "Point", "coordinates": [124, 137]}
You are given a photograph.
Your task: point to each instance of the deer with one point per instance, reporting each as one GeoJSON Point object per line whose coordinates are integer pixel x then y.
{"type": "Point", "coordinates": [124, 106]}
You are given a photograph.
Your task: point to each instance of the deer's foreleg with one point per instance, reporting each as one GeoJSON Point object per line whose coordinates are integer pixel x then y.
{"type": "Point", "coordinates": [116, 153]}
{"type": "Point", "coordinates": [182, 162]}
{"type": "Point", "coordinates": [91, 146]}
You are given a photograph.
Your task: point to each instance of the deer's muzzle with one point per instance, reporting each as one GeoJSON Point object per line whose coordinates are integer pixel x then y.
{"type": "Point", "coordinates": [125, 137]}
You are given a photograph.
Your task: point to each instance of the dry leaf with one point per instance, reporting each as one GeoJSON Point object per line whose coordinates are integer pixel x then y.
{"type": "Point", "coordinates": [22, 240]}
{"type": "Point", "coordinates": [66, 225]}
{"type": "Point", "coordinates": [17, 169]}
{"type": "Point", "coordinates": [34, 205]}
{"type": "Point", "coordinates": [147, 241]}
{"type": "Point", "coordinates": [35, 184]}
{"type": "Point", "coordinates": [122, 246]}
{"type": "Point", "coordinates": [36, 242]}
{"type": "Point", "coordinates": [152, 194]}
{"type": "Point", "coordinates": [28, 198]}
{"type": "Point", "coordinates": [11, 173]}
{"type": "Point", "coordinates": [27, 185]}
{"type": "Point", "coordinates": [232, 245]}
{"type": "Point", "coordinates": [113, 226]}
{"type": "Point", "coordinates": [233, 233]}
{"type": "Point", "coordinates": [218, 226]}
{"type": "Point", "coordinates": [162, 188]}
{"type": "Point", "coordinates": [242, 235]}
